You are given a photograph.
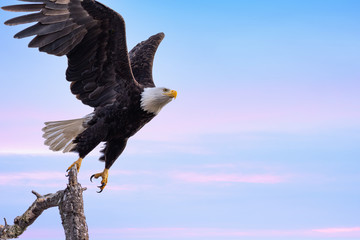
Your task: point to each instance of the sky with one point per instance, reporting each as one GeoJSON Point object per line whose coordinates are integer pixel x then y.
{"type": "Point", "coordinates": [262, 142]}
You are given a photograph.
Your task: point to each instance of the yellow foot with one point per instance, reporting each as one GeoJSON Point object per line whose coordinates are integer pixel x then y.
{"type": "Point", "coordinates": [104, 175]}
{"type": "Point", "coordinates": [77, 163]}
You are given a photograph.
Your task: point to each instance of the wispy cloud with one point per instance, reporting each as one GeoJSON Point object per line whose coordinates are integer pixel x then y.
{"type": "Point", "coordinates": [8, 178]}
{"type": "Point", "coordinates": [338, 230]}
{"type": "Point", "coordinates": [194, 177]}
{"type": "Point", "coordinates": [213, 233]}
{"type": "Point", "coordinates": [47, 179]}
{"type": "Point", "coordinates": [43, 233]}
{"type": "Point", "coordinates": [57, 180]}
{"type": "Point", "coordinates": [129, 187]}
{"type": "Point", "coordinates": [137, 147]}
{"type": "Point", "coordinates": [27, 151]}
{"type": "Point", "coordinates": [195, 233]}
{"type": "Point", "coordinates": [225, 173]}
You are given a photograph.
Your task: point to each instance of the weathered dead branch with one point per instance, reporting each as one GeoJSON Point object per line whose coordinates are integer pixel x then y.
{"type": "Point", "coordinates": [71, 208]}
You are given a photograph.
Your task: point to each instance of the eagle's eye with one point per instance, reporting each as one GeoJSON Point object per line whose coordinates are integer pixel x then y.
{"type": "Point", "coordinates": [165, 90]}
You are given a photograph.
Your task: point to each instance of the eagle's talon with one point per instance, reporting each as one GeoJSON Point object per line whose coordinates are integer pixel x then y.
{"type": "Point", "coordinates": [92, 177]}
{"type": "Point", "coordinates": [77, 164]}
{"type": "Point", "coordinates": [101, 187]}
{"type": "Point", "coordinates": [104, 176]}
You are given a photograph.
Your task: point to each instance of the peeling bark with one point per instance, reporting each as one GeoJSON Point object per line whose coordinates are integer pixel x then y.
{"type": "Point", "coordinates": [71, 208]}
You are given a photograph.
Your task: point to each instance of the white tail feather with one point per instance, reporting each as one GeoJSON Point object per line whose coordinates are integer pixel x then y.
{"type": "Point", "coordinates": [59, 135]}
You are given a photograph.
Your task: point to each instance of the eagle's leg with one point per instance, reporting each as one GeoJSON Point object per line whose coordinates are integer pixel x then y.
{"type": "Point", "coordinates": [77, 163]}
{"type": "Point", "coordinates": [111, 152]}
{"type": "Point", "coordinates": [104, 175]}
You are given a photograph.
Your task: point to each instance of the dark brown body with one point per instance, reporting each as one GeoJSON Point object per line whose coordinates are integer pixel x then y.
{"type": "Point", "coordinates": [113, 124]}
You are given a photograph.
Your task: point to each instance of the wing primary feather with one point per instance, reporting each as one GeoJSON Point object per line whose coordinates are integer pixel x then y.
{"type": "Point", "coordinates": [34, 17]}
{"type": "Point", "coordinates": [58, 46]}
{"type": "Point", "coordinates": [61, 39]}
{"type": "Point", "coordinates": [42, 29]}
{"type": "Point", "coordinates": [54, 19]}
{"type": "Point", "coordinates": [56, 6]}
{"type": "Point", "coordinates": [24, 8]}
{"type": "Point", "coordinates": [33, 0]}
{"type": "Point", "coordinates": [43, 40]}
{"type": "Point", "coordinates": [51, 12]}
{"type": "Point", "coordinates": [62, 1]}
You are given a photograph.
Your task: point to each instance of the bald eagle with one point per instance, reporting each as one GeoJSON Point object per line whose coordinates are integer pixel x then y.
{"type": "Point", "coordinates": [118, 84]}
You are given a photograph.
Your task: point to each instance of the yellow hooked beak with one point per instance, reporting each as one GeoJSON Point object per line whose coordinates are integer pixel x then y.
{"type": "Point", "coordinates": [171, 93]}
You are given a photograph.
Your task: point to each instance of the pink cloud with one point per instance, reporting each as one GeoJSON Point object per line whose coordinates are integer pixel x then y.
{"type": "Point", "coordinates": [38, 179]}
{"type": "Point", "coordinates": [130, 187]}
{"type": "Point", "coordinates": [9, 177]}
{"type": "Point", "coordinates": [338, 230]}
{"type": "Point", "coordinates": [57, 180]}
{"type": "Point", "coordinates": [185, 233]}
{"type": "Point", "coordinates": [26, 151]}
{"type": "Point", "coordinates": [228, 178]}
{"type": "Point", "coordinates": [43, 233]}
{"type": "Point", "coordinates": [220, 233]}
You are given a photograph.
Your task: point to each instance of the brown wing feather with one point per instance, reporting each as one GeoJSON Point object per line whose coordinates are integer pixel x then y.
{"type": "Point", "coordinates": [142, 58]}
{"type": "Point", "coordinates": [93, 38]}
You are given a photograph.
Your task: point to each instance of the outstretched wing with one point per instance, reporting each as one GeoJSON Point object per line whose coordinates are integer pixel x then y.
{"type": "Point", "coordinates": [142, 58]}
{"type": "Point", "coordinates": [93, 38]}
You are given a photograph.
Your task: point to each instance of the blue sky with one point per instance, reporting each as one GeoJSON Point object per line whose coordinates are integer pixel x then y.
{"type": "Point", "coordinates": [262, 142]}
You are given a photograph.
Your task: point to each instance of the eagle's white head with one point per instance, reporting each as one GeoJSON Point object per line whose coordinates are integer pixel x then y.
{"type": "Point", "coordinates": [154, 99]}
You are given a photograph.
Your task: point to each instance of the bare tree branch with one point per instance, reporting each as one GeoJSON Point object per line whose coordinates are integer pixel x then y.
{"type": "Point", "coordinates": [71, 208]}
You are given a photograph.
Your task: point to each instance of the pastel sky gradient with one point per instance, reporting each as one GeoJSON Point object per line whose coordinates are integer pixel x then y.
{"type": "Point", "coordinates": [262, 142]}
